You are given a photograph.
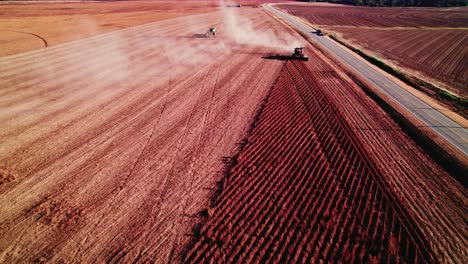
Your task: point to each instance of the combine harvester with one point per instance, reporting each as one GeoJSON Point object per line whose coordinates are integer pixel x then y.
{"type": "Point", "coordinates": [211, 32]}
{"type": "Point", "coordinates": [297, 55]}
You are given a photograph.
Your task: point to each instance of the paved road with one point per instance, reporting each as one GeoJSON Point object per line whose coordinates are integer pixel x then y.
{"type": "Point", "coordinates": [441, 124]}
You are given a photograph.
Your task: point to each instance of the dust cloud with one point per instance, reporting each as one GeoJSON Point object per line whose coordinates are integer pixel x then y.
{"type": "Point", "coordinates": [93, 66]}
{"type": "Point", "coordinates": [241, 30]}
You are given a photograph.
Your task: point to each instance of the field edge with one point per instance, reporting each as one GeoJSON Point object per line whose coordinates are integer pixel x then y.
{"type": "Point", "coordinates": [229, 163]}
{"type": "Point", "coordinates": [455, 102]}
{"type": "Point", "coordinates": [446, 156]}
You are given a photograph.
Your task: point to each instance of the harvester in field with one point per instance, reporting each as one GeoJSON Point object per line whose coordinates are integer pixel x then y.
{"type": "Point", "coordinates": [211, 32]}
{"type": "Point", "coordinates": [299, 54]}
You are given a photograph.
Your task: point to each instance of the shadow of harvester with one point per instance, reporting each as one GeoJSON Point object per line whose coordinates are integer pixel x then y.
{"type": "Point", "coordinates": [199, 36]}
{"type": "Point", "coordinates": [277, 57]}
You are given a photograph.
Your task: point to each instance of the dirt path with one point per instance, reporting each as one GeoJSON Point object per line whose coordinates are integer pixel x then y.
{"type": "Point", "coordinates": [110, 146]}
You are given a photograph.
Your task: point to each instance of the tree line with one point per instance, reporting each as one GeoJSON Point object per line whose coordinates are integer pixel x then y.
{"type": "Point", "coordinates": [398, 2]}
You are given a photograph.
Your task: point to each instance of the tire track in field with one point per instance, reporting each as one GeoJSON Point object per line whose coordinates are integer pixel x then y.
{"type": "Point", "coordinates": [304, 189]}
{"type": "Point", "coordinates": [151, 134]}
{"type": "Point", "coordinates": [196, 160]}
{"type": "Point", "coordinates": [23, 59]}
{"type": "Point", "coordinates": [31, 34]}
{"type": "Point", "coordinates": [80, 59]}
{"type": "Point", "coordinates": [75, 155]}
{"type": "Point", "coordinates": [120, 254]}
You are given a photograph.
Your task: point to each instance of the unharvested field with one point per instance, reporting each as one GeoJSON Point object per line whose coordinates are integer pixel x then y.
{"type": "Point", "coordinates": [430, 43]}
{"type": "Point", "coordinates": [326, 175]}
{"type": "Point", "coordinates": [110, 146]}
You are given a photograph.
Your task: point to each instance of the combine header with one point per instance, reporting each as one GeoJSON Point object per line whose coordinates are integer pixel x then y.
{"type": "Point", "coordinates": [297, 55]}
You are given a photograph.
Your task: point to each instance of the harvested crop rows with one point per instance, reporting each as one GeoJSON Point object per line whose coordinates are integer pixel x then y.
{"type": "Point", "coordinates": [110, 145]}
{"type": "Point", "coordinates": [432, 197]}
{"type": "Point", "coordinates": [328, 175]}
{"type": "Point", "coordinates": [110, 148]}
{"type": "Point", "coordinates": [323, 202]}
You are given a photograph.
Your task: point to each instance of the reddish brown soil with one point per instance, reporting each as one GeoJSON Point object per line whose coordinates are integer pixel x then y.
{"type": "Point", "coordinates": [303, 191]}
{"type": "Point", "coordinates": [29, 26]}
{"type": "Point", "coordinates": [432, 197]}
{"type": "Point", "coordinates": [110, 146]}
{"type": "Point", "coordinates": [344, 15]}
{"type": "Point", "coordinates": [440, 54]}
{"type": "Point", "coordinates": [23, 25]}
{"type": "Point", "coordinates": [429, 43]}
{"type": "Point", "coordinates": [327, 176]}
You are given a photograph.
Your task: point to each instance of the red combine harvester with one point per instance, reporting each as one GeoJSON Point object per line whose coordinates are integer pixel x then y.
{"type": "Point", "coordinates": [299, 54]}
{"type": "Point", "coordinates": [211, 32]}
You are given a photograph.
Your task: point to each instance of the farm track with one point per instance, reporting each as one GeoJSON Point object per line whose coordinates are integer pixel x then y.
{"type": "Point", "coordinates": [110, 146]}
{"type": "Point", "coordinates": [325, 176]}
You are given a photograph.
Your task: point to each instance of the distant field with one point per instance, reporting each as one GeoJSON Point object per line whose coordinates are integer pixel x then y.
{"type": "Point", "coordinates": [441, 55]}
{"type": "Point", "coordinates": [29, 25]}
{"type": "Point", "coordinates": [343, 15]}
{"type": "Point", "coordinates": [25, 27]}
{"type": "Point", "coordinates": [430, 43]}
